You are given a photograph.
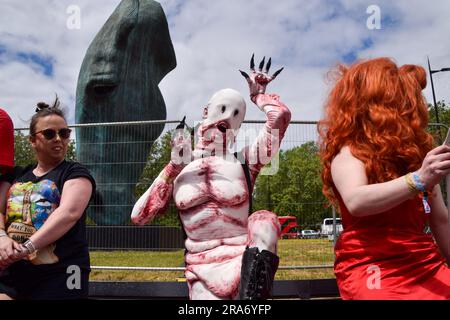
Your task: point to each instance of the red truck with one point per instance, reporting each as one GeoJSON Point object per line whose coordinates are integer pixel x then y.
{"type": "Point", "coordinates": [289, 227]}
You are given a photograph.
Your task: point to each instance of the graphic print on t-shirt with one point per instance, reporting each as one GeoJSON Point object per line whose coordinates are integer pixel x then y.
{"type": "Point", "coordinates": [29, 205]}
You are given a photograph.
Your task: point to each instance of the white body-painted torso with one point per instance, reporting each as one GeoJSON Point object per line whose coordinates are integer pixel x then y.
{"type": "Point", "coordinates": [212, 197]}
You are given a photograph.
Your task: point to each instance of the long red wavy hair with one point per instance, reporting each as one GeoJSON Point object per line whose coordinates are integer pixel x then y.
{"type": "Point", "coordinates": [378, 110]}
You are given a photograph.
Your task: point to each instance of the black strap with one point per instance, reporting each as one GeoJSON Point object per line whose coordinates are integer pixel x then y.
{"type": "Point", "coordinates": [246, 169]}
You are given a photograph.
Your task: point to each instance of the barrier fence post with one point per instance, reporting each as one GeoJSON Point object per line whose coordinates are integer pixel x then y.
{"type": "Point", "coordinates": [334, 227]}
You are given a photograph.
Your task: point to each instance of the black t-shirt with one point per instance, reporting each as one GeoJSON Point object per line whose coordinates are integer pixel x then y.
{"type": "Point", "coordinates": [31, 200]}
{"type": "Point", "coordinates": [10, 176]}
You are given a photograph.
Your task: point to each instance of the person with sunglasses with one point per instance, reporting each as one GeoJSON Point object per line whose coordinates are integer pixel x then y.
{"type": "Point", "coordinates": [45, 218]}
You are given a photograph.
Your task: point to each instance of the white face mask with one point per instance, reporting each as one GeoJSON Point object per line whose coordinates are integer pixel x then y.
{"type": "Point", "coordinates": [223, 116]}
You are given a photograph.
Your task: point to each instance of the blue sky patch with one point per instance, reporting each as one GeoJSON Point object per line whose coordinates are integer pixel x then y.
{"type": "Point", "coordinates": [367, 43]}
{"type": "Point", "coordinates": [45, 63]}
{"type": "Point", "coordinates": [388, 21]}
{"type": "Point", "coordinates": [38, 62]}
{"type": "Point", "coordinates": [350, 57]}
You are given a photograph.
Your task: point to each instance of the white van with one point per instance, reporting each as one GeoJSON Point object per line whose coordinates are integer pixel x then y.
{"type": "Point", "coordinates": [327, 227]}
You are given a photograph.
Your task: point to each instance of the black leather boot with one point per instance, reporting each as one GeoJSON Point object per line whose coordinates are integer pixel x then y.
{"type": "Point", "coordinates": [257, 274]}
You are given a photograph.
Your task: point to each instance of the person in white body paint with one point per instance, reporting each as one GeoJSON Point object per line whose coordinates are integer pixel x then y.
{"type": "Point", "coordinates": [229, 253]}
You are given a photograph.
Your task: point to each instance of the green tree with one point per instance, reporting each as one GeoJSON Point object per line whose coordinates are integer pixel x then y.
{"type": "Point", "coordinates": [23, 153]}
{"type": "Point", "coordinates": [159, 157]}
{"type": "Point", "coordinates": [296, 189]}
{"type": "Point", "coordinates": [443, 111]}
{"type": "Point", "coordinates": [439, 132]}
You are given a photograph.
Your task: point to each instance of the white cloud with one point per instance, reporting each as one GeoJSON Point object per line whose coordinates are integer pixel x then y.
{"type": "Point", "coordinates": [213, 39]}
{"type": "Point", "coordinates": [39, 27]}
{"type": "Point", "coordinates": [422, 30]}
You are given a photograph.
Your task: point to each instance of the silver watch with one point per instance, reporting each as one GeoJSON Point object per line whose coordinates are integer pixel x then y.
{"type": "Point", "coordinates": [29, 245]}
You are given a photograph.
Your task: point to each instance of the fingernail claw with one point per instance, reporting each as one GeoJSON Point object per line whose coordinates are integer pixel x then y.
{"type": "Point", "coordinates": [261, 65]}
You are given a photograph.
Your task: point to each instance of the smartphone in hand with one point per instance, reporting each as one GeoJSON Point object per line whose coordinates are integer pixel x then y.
{"type": "Point", "coordinates": [447, 138]}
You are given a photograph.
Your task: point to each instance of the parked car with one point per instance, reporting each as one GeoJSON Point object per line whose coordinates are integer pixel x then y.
{"type": "Point", "coordinates": [309, 234]}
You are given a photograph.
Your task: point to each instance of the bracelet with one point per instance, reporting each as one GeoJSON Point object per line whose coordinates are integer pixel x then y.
{"type": "Point", "coordinates": [418, 183]}
{"type": "Point", "coordinates": [3, 233]}
{"type": "Point", "coordinates": [415, 185]}
{"type": "Point", "coordinates": [29, 245]}
{"type": "Point", "coordinates": [410, 183]}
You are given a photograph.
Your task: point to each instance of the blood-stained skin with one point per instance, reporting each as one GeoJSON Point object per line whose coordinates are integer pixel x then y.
{"type": "Point", "coordinates": [212, 197]}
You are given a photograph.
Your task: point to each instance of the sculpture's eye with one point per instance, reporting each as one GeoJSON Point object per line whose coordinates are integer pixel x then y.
{"type": "Point", "coordinates": [236, 112]}
{"type": "Point", "coordinates": [223, 109]}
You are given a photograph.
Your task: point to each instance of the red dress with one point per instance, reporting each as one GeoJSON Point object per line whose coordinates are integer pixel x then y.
{"type": "Point", "coordinates": [388, 256]}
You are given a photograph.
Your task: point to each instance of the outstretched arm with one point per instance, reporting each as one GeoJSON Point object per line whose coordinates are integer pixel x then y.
{"type": "Point", "coordinates": [156, 199]}
{"type": "Point", "coordinates": [278, 115]}
{"type": "Point", "coordinates": [364, 199]}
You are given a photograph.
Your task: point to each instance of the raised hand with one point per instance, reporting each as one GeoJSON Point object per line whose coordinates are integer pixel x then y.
{"type": "Point", "coordinates": [181, 144]}
{"type": "Point", "coordinates": [435, 166]}
{"type": "Point", "coordinates": [258, 80]}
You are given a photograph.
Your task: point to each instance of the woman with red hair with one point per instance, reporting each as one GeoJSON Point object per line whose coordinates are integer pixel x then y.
{"type": "Point", "coordinates": [381, 171]}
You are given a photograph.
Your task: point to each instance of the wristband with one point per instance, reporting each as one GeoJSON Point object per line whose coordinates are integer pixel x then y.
{"type": "Point", "coordinates": [417, 182]}
{"type": "Point", "coordinates": [426, 205]}
{"type": "Point", "coordinates": [410, 183]}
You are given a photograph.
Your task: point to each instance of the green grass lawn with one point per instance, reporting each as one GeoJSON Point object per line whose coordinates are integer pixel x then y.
{"type": "Point", "coordinates": [295, 252]}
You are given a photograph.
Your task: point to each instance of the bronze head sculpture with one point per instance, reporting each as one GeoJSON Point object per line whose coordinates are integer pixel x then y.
{"type": "Point", "coordinates": [118, 82]}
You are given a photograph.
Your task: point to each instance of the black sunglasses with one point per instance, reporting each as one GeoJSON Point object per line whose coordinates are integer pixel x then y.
{"type": "Point", "coordinates": [49, 134]}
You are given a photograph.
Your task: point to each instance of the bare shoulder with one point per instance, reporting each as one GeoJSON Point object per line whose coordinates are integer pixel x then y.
{"type": "Point", "coordinates": [347, 170]}
{"type": "Point", "coordinates": [80, 186]}
{"type": "Point", "coordinates": [346, 158]}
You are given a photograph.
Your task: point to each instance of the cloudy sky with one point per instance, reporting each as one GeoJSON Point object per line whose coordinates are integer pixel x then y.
{"type": "Point", "coordinates": [41, 55]}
